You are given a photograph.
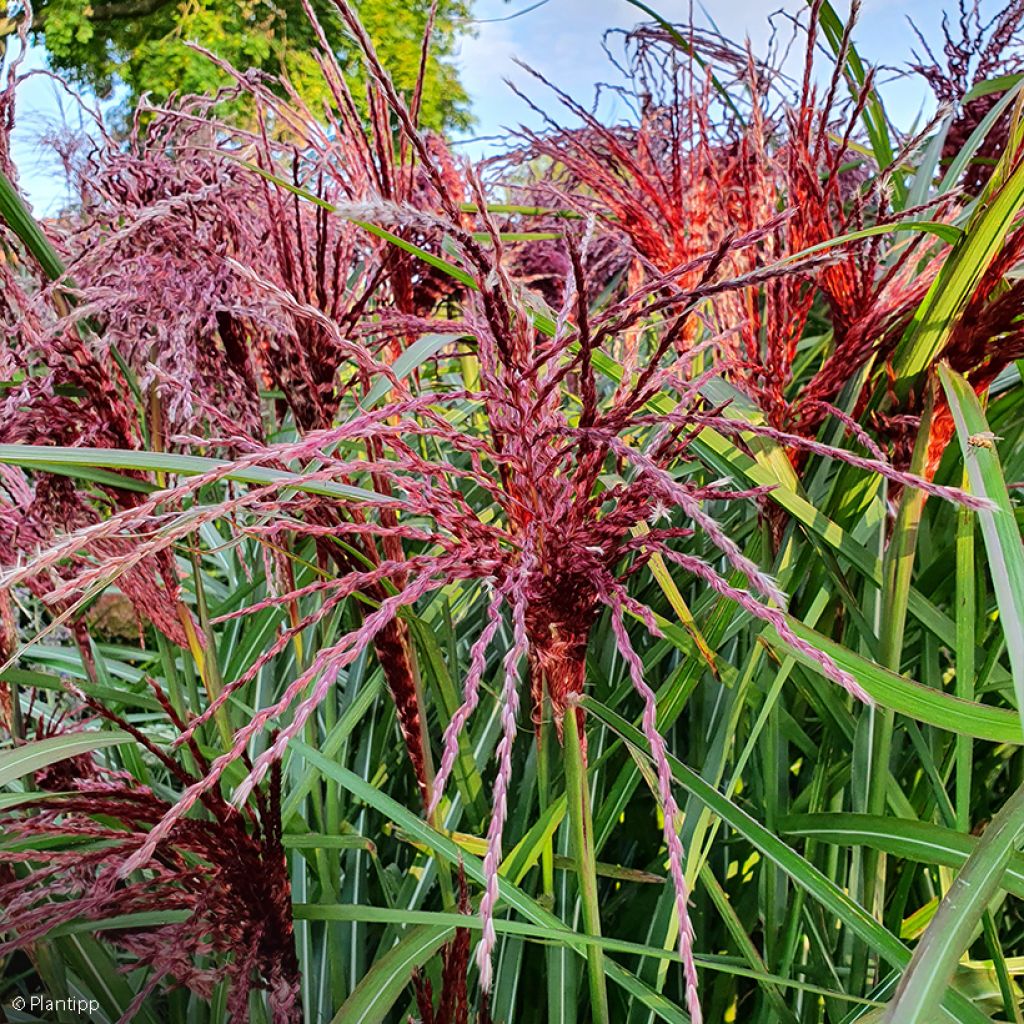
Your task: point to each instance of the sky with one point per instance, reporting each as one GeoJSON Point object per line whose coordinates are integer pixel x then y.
{"type": "Point", "coordinates": [562, 39]}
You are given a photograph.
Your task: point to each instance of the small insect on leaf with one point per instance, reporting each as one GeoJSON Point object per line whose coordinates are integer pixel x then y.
{"type": "Point", "coordinates": [983, 439]}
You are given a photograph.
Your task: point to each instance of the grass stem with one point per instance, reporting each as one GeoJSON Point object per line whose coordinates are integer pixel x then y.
{"type": "Point", "coordinates": [586, 867]}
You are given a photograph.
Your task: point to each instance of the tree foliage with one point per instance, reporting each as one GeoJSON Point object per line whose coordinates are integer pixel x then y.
{"type": "Point", "coordinates": [144, 44]}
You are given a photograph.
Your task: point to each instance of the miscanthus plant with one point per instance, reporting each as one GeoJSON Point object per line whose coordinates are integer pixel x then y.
{"type": "Point", "coordinates": [543, 591]}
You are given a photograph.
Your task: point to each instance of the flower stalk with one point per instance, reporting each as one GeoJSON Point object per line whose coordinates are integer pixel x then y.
{"type": "Point", "coordinates": [582, 826]}
{"type": "Point", "coordinates": [898, 571]}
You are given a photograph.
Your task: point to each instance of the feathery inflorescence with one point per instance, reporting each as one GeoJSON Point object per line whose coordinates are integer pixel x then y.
{"type": "Point", "coordinates": [223, 879]}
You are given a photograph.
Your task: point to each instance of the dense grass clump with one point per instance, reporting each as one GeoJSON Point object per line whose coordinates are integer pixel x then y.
{"type": "Point", "coordinates": [330, 463]}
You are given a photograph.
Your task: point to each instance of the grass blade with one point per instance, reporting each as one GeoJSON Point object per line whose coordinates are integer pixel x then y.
{"type": "Point", "coordinates": [935, 959]}
{"type": "Point", "coordinates": [31, 757]}
{"type": "Point", "coordinates": [999, 530]}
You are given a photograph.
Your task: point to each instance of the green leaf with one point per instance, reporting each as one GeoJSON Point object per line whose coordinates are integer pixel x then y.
{"type": "Point", "coordinates": [928, 165]}
{"type": "Point", "coordinates": [324, 841]}
{"type": "Point", "coordinates": [510, 895]}
{"type": "Point", "coordinates": [544, 936]}
{"type": "Point", "coordinates": [956, 282]}
{"type": "Point", "coordinates": [87, 958]}
{"type": "Point", "coordinates": [31, 757]}
{"type": "Point", "coordinates": [923, 703]}
{"type": "Point", "coordinates": [919, 841]}
{"type": "Point", "coordinates": [999, 530]}
{"type": "Point", "coordinates": [24, 225]}
{"type": "Point", "coordinates": [873, 114]}
{"type": "Point", "coordinates": [142, 919]}
{"type": "Point", "coordinates": [445, 266]}
{"type": "Point", "coordinates": [935, 959]}
{"type": "Point", "coordinates": [991, 85]}
{"type": "Point", "coordinates": [947, 232]}
{"type": "Point", "coordinates": [581, 830]}
{"type": "Point", "coordinates": [410, 359]}
{"type": "Point", "coordinates": [964, 155]}
{"type": "Point", "coordinates": [680, 40]}
{"type": "Point", "coordinates": [383, 983]}
{"type": "Point", "coordinates": [725, 458]}
{"type": "Point", "coordinates": [801, 871]}
{"type": "Point", "coordinates": [52, 458]}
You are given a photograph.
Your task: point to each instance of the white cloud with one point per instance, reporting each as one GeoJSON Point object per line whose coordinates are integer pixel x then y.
{"type": "Point", "coordinates": [562, 40]}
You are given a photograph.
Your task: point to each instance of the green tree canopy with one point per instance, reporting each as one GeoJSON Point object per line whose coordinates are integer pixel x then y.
{"type": "Point", "coordinates": [142, 43]}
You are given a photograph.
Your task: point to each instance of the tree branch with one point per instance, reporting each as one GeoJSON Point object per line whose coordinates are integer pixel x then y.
{"type": "Point", "coordinates": [138, 9]}
{"type": "Point", "coordinates": [101, 12]}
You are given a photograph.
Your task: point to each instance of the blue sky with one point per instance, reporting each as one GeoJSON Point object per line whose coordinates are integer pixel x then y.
{"type": "Point", "coordinates": [560, 38]}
